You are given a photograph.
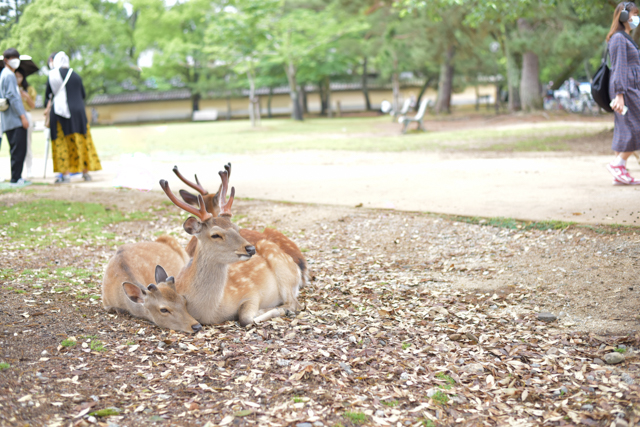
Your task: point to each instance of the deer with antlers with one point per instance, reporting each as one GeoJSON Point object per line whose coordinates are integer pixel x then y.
{"type": "Point", "coordinates": [217, 287]}
{"type": "Point", "coordinates": [211, 204]}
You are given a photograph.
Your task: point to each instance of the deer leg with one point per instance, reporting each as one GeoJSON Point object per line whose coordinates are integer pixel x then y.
{"type": "Point", "coordinates": [274, 312]}
{"type": "Point", "coordinates": [248, 312]}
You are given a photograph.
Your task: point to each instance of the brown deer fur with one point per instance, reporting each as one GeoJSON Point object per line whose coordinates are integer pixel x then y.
{"type": "Point", "coordinates": [216, 286]}
{"type": "Point", "coordinates": [133, 265]}
{"type": "Point", "coordinates": [211, 203]}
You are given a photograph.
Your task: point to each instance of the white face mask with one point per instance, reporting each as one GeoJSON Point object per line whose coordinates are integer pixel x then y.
{"type": "Point", "coordinates": [634, 22]}
{"type": "Point", "coordinates": [14, 63]}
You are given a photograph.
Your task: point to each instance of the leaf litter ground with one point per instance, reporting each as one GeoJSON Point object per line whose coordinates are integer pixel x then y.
{"type": "Point", "coordinates": [411, 319]}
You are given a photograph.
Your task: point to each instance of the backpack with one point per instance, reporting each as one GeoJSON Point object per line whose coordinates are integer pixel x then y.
{"type": "Point", "coordinates": [600, 84]}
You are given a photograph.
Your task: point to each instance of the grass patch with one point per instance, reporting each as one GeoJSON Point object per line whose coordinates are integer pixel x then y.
{"type": "Point", "coordinates": [4, 365]}
{"type": "Point", "coordinates": [356, 417]}
{"type": "Point", "coordinates": [68, 343]}
{"type": "Point", "coordinates": [97, 345]}
{"type": "Point", "coordinates": [440, 398]}
{"type": "Point", "coordinates": [6, 273]}
{"type": "Point", "coordinates": [47, 222]}
{"type": "Point", "coordinates": [513, 224]}
{"type": "Point", "coordinates": [427, 423]}
{"type": "Point", "coordinates": [551, 143]}
{"type": "Point", "coordinates": [297, 399]}
{"type": "Point", "coordinates": [621, 350]}
{"type": "Point", "coordinates": [445, 377]}
{"type": "Point", "coordinates": [390, 403]}
{"type": "Point", "coordinates": [406, 345]}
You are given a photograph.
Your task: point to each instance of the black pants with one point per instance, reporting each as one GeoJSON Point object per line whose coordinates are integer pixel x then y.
{"type": "Point", "coordinates": [18, 144]}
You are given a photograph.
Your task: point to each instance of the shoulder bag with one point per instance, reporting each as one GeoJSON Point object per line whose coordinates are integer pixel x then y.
{"type": "Point", "coordinates": [600, 84]}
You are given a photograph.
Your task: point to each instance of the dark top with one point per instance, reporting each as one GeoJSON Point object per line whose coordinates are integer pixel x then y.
{"type": "Point", "coordinates": [75, 98]}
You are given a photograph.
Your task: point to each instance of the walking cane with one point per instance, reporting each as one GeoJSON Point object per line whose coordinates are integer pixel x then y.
{"type": "Point", "coordinates": [47, 132]}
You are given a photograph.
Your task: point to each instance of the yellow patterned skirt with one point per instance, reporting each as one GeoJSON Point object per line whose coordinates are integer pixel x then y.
{"type": "Point", "coordinates": [74, 153]}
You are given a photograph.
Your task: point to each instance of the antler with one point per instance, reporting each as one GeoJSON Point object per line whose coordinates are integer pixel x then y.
{"type": "Point", "coordinates": [227, 167]}
{"type": "Point", "coordinates": [199, 188]}
{"type": "Point", "coordinates": [225, 206]}
{"type": "Point", "coordinates": [201, 212]}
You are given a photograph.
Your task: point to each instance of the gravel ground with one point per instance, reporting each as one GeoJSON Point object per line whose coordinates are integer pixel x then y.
{"type": "Point", "coordinates": [410, 320]}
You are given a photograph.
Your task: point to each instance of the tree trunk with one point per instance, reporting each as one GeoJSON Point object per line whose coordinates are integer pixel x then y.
{"type": "Point", "coordinates": [303, 98]}
{"type": "Point", "coordinates": [530, 88]}
{"type": "Point", "coordinates": [323, 99]}
{"type": "Point", "coordinates": [395, 83]}
{"type": "Point", "coordinates": [424, 88]}
{"type": "Point", "coordinates": [195, 102]}
{"type": "Point", "coordinates": [365, 87]}
{"type": "Point", "coordinates": [252, 94]}
{"type": "Point", "coordinates": [296, 111]}
{"type": "Point", "coordinates": [327, 94]}
{"type": "Point", "coordinates": [513, 77]}
{"type": "Point", "coordinates": [228, 106]}
{"type": "Point", "coordinates": [269, 114]}
{"type": "Point", "coordinates": [445, 85]}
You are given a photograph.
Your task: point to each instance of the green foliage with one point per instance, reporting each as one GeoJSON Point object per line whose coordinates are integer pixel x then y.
{"type": "Point", "coordinates": [406, 345]}
{"type": "Point", "coordinates": [621, 350]}
{"type": "Point", "coordinates": [95, 34]}
{"type": "Point", "coordinates": [440, 398]}
{"type": "Point", "coordinates": [97, 345]}
{"type": "Point", "coordinates": [107, 412]}
{"type": "Point", "coordinates": [390, 403]}
{"type": "Point", "coordinates": [68, 343]}
{"type": "Point", "coordinates": [4, 365]}
{"type": "Point", "coordinates": [356, 417]}
{"type": "Point", "coordinates": [445, 377]}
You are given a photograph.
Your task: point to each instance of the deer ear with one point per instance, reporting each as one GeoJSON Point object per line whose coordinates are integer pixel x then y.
{"type": "Point", "coordinates": [161, 275]}
{"type": "Point", "coordinates": [134, 292]}
{"type": "Point", "coordinates": [192, 226]}
{"type": "Point", "coordinates": [189, 198]}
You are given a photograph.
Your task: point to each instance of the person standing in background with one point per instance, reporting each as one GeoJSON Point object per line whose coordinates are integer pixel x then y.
{"type": "Point", "coordinates": [28, 94]}
{"type": "Point", "coordinates": [623, 89]}
{"type": "Point", "coordinates": [71, 143]}
{"type": "Point", "coordinates": [14, 119]}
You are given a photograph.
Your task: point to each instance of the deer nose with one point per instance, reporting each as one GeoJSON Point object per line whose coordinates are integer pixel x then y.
{"type": "Point", "coordinates": [251, 250]}
{"type": "Point", "coordinates": [197, 327]}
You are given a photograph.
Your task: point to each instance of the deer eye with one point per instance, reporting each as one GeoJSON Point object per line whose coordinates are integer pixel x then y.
{"type": "Point", "coordinates": [164, 310]}
{"type": "Point", "coordinates": [216, 236]}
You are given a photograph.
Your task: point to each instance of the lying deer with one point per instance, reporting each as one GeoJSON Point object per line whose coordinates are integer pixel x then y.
{"type": "Point", "coordinates": [159, 303]}
{"type": "Point", "coordinates": [216, 286]}
{"type": "Point", "coordinates": [270, 234]}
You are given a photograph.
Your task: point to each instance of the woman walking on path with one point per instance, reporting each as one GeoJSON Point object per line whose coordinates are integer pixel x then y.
{"type": "Point", "coordinates": [28, 94]}
{"type": "Point", "coordinates": [71, 143]}
{"type": "Point", "coordinates": [624, 89]}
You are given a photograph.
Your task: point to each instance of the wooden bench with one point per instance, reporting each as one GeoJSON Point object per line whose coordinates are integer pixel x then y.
{"type": "Point", "coordinates": [417, 118]}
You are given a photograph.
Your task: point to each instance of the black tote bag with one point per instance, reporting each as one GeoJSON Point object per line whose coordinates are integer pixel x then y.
{"type": "Point", "coordinates": [600, 84]}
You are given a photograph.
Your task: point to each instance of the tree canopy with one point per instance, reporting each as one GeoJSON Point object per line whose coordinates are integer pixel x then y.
{"type": "Point", "coordinates": [222, 46]}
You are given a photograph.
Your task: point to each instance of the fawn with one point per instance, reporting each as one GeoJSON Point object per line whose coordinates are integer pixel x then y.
{"type": "Point", "coordinates": [159, 303]}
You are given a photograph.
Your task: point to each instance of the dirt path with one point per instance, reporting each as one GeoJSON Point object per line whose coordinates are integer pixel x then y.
{"type": "Point", "coordinates": [571, 186]}
{"type": "Point", "coordinates": [411, 319]}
